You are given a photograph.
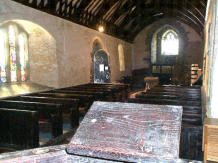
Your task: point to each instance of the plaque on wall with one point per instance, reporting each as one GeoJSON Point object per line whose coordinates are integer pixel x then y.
{"type": "Point", "coordinates": [101, 67]}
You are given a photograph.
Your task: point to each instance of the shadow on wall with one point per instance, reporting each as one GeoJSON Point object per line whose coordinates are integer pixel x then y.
{"type": "Point", "coordinates": [42, 59]}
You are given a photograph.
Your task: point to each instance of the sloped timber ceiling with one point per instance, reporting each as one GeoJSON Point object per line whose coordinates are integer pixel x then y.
{"type": "Point", "coordinates": [124, 19]}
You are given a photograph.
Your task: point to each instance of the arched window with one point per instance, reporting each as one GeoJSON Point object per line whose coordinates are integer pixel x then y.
{"type": "Point", "coordinates": [13, 54]}
{"type": "Point", "coordinates": [121, 57]}
{"type": "Point", "coordinates": [169, 43]}
{"type": "Point", "coordinates": [2, 57]}
{"type": "Point", "coordinates": [23, 52]}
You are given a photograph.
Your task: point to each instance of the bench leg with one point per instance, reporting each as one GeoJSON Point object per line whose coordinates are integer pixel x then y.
{"type": "Point", "coordinates": [74, 117]}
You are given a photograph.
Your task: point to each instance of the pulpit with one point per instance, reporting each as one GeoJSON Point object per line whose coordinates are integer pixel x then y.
{"type": "Point", "coordinates": [151, 82]}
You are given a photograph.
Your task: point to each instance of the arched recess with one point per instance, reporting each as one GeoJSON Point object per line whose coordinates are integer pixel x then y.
{"type": "Point", "coordinates": [121, 57]}
{"type": "Point", "coordinates": [95, 47]}
{"type": "Point", "coordinates": [42, 61]}
{"type": "Point", "coordinates": [157, 56]}
{"type": "Point", "coordinates": [170, 68]}
{"type": "Point", "coordinates": [100, 68]}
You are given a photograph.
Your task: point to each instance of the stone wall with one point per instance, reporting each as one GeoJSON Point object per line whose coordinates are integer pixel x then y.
{"type": "Point", "coordinates": [59, 50]}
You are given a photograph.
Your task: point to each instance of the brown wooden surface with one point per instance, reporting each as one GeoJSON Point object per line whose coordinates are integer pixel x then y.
{"type": "Point", "coordinates": [129, 132]}
{"type": "Point", "coordinates": [210, 142]}
{"type": "Point", "coordinates": [15, 132]}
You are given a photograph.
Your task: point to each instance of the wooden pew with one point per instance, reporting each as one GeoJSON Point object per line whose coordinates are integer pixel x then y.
{"type": "Point", "coordinates": [48, 111]}
{"type": "Point", "coordinates": [118, 94]}
{"type": "Point", "coordinates": [109, 95]}
{"type": "Point", "coordinates": [191, 142]}
{"type": "Point", "coordinates": [190, 99]}
{"type": "Point", "coordinates": [165, 102]}
{"type": "Point", "coordinates": [19, 129]}
{"type": "Point", "coordinates": [192, 114]}
{"type": "Point", "coordinates": [171, 93]}
{"type": "Point", "coordinates": [159, 89]}
{"type": "Point", "coordinates": [69, 106]}
{"type": "Point", "coordinates": [165, 96]}
{"type": "Point", "coordinates": [97, 95]}
{"type": "Point", "coordinates": [84, 100]}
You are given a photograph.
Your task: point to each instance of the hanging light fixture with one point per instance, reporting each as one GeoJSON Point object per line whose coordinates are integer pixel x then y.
{"type": "Point", "coordinates": [101, 29]}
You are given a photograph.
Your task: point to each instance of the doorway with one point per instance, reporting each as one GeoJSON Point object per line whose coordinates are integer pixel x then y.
{"type": "Point", "coordinates": [101, 67]}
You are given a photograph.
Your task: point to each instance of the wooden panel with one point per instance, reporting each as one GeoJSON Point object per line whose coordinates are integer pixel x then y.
{"type": "Point", "coordinates": [57, 154]}
{"type": "Point", "coordinates": [52, 154]}
{"type": "Point", "coordinates": [191, 142]}
{"type": "Point", "coordinates": [129, 132]}
{"type": "Point", "coordinates": [210, 142]}
{"type": "Point", "coordinates": [16, 133]}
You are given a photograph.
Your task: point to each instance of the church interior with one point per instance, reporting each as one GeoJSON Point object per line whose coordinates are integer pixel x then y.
{"type": "Point", "coordinates": [108, 81]}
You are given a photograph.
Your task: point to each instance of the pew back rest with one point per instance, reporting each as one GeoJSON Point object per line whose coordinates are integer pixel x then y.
{"type": "Point", "coordinates": [19, 128]}
{"type": "Point", "coordinates": [45, 110]}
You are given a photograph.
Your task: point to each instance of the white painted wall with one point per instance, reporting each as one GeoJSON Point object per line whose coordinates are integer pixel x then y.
{"type": "Point", "coordinates": [65, 60]}
{"type": "Point", "coordinates": [211, 61]}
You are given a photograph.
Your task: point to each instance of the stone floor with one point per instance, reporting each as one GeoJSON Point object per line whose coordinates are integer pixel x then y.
{"type": "Point", "coordinates": [13, 89]}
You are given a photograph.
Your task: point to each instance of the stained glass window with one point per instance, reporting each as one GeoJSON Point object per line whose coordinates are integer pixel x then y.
{"type": "Point", "coordinates": [170, 43]}
{"type": "Point", "coordinates": [12, 52]}
{"type": "Point", "coordinates": [2, 58]}
{"type": "Point", "coordinates": [22, 51]}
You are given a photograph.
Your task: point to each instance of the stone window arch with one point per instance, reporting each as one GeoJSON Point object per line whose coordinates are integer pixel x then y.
{"type": "Point", "coordinates": [170, 43]}
{"type": "Point", "coordinates": [165, 45]}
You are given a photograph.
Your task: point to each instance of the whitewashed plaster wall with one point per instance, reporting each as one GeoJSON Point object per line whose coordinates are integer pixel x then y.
{"type": "Point", "coordinates": [210, 87]}
{"type": "Point", "coordinates": [61, 57]}
{"type": "Point", "coordinates": [141, 47]}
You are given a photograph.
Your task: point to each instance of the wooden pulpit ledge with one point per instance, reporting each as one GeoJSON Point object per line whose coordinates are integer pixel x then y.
{"type": "Point", "coordinates": [116, 132]}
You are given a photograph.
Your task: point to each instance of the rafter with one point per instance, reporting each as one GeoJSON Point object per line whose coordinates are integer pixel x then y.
{"type": "Point", "coordinates": [123, 18]}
